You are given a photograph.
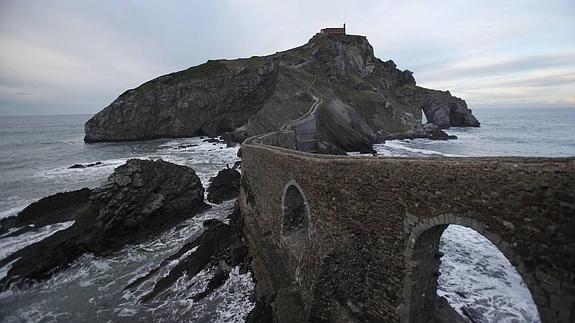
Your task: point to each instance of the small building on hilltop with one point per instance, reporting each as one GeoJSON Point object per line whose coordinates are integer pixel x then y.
{"type": "Point", "coordinates": [333, 31]}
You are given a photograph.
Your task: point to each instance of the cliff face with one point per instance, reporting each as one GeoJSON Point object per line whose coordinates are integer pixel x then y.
{"type": "Point", "coordinates": [364, 98]}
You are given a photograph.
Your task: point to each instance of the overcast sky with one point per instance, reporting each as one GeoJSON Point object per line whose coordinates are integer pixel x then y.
{"type": "Point", "coordinates": [77, 56]}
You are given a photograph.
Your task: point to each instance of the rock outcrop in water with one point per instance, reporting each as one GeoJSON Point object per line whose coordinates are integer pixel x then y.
{"type": "Point", "coordinates": [220, 247]}
{"type": "Point", "coordinates": [60, 207]}
{"type": "Point", "coordinates": [364, 98]}
{"type": "Point", "coordinates": [224, 186]}
{"type": "Point", "coordinates": [141, 198]}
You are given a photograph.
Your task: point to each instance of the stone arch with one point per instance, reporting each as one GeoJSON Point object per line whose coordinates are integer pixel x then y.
{"type": "Point", "coordinates": [295, 220]}
{"type": "Point", "coordinates": [423, 259]}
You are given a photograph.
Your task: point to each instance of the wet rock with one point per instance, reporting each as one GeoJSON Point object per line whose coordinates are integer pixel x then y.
{"type": "Point", "coordinates": [368, 151]}
{"type": "Point", "coordinates": [234, 137]}
{"type": "Point", "coordinates": [218, 280]}
{"type": "Point", "coordinates": [441, 135]}
{"type": "Point", "coordinates": [425, 131]}
{"type": "Point", "coordinates": [261, 313]}
{"type": "Point", "coordinates": [444, 313]}
{"type": "Point", "coordinates": [214, 140]}
{"type": "Point", "coordinates": [472, 314]}
{"type": "Point", "coordinates": [224, 186]}
{"type": "Point", "coordinates": [75, 166]}
{"type": "Point", "coordinates": [220, 245]}
{"type": "Point", "coordinates": [141, 198]}
{"type": "Point", "coordinates": [330, 149]}
{"type": "Point", "coordinates": [60, 207]}
{"type": "Point", "coordinates": [185, 146]}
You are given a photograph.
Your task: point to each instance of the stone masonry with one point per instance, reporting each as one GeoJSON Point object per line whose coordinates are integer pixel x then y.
{"type": "Point", "coordinates": [368, 231]}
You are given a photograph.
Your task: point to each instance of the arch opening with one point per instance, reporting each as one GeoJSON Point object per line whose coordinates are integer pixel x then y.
{"type": "Point", "coordinates": [457, 271]}
{"type": "Point", "coordinates": [295, 221]}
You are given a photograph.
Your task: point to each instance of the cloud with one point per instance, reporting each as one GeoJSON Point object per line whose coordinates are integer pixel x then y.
{"type": "Point", "coordinates": [78, 56]}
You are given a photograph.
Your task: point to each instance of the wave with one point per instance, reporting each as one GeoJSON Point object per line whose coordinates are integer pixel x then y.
{"type": "Point", "coordinates": [14, 210]}
{"type": "Point", "coordinates": [477, 277]}
{"type": "Point", "coordinates": [10, 245]}
{"type": "Point", "coordinates": [97, 284]}
{"type": "Point", "coordinates": [400, 145]}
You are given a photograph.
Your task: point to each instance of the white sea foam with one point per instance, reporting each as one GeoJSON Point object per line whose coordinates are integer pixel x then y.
{"type": "Point", "coordinates": [13, 211]}
{"type": "Point", "coordinates": [92, 287]}
{"type": "Point", "coordinates": [77, 175]}
{"type": "Point", "coordinates": [402, 148]}
{"type": "Point", "coordinates": [400, 145]}
{"type": "Point", "coordinates": [9, 245]}
{"type": "Point", "coordinates": [477, 276]}
{"type": "Point", "coordinates": [234, 304]}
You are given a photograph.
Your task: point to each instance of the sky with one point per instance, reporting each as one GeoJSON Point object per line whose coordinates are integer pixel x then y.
{"type": "Point", "coordinates": [75, 57]}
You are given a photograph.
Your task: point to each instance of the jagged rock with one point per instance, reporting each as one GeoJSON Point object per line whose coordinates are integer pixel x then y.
{"type": "Point", "coordinates": [262, 312]}
{"type": "Point", "coordinates": [224, 186]}
{"type": "Point", "coordinates": [220, 245]}
{"type": "Point", "coordinates": [141, 198]}
{"type": "Point", "coordinates": [330, 149]}
{"type": "Point", "coordinates": [444, 110]}
{"type": "Point", "coordinates": [60, 207]}
{"type": "Point", "coordinates": [428, 130]}
{"type": "Point", "coordinates": [185, 146]}
{"type": "Point", "coordinates": [444, 313]}
{"type": "Point", "coordinates": [213, 140]}
{"type": "Point", "coordinates": [362, 97]}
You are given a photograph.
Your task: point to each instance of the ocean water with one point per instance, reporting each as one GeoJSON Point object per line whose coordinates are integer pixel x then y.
{"type": "Point", "coordinates": [503, 132]}
{"type": "Point", "coordinates": [35, 153]}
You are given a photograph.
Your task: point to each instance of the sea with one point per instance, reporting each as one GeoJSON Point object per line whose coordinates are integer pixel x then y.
{"type": "Point", "coordinates": [37, 151]}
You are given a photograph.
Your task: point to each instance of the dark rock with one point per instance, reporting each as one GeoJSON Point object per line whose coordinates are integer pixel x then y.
{"type": "Point", "coordinates": [234, 137]}
{"type": "Point", "coordinates": [60, 207]}
{"type": "Point", "coordinates": [444, 313]}
{"type": "Point", "coordinates": [262, 312]}
{"type": "Point", "coordinates": [471, 314]}
{"type": "Point", "coordinates": [84, 166]}
{"type": "Point", "coordinates": [444, 110]}
{"type": "Point", "coordinates": [185, 146]}
{"type": "Point", "coordinates": [213, 140]}
{"type": "Point", "coordinates": [141, 198]}
{"type": "Point", "coordinates": [237, 164]}
{"type": "Point", "coordinates": [441, 135]}
{"type": "Point", "coordinates": [225, 186]}
{"type": "Point", "coordinates": [426, 131]}
{"type": "Point", "coordinates": [218, 280]}
{"type": "Point", "coordinates": [236, 219]}
{"type": "Point", "coordinates": [330, 149]}
{"type": "Point", "coordinates": [218, 243]}
{"type": "Point", "coordinates": [210, 222]}
{"type": "Point", "coordinates": [368, 150]}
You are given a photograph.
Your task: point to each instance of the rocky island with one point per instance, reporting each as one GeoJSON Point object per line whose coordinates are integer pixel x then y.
{"type": "Point", "coordinates": [364, 100]}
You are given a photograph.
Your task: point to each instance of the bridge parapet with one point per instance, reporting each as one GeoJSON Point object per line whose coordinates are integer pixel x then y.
{"type": "Point", "coordinates": [369, 248]}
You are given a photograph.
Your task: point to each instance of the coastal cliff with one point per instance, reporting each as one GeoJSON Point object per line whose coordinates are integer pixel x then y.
{"type": "Point", "coordinates": [365, 100]}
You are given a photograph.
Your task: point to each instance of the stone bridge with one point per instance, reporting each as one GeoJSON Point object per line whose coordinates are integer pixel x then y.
{"type": "Point", "coordinates": [347, 239]}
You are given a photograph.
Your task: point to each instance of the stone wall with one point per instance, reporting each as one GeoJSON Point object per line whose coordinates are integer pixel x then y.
{"type": "Point", "coordinates": [370, 249]}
